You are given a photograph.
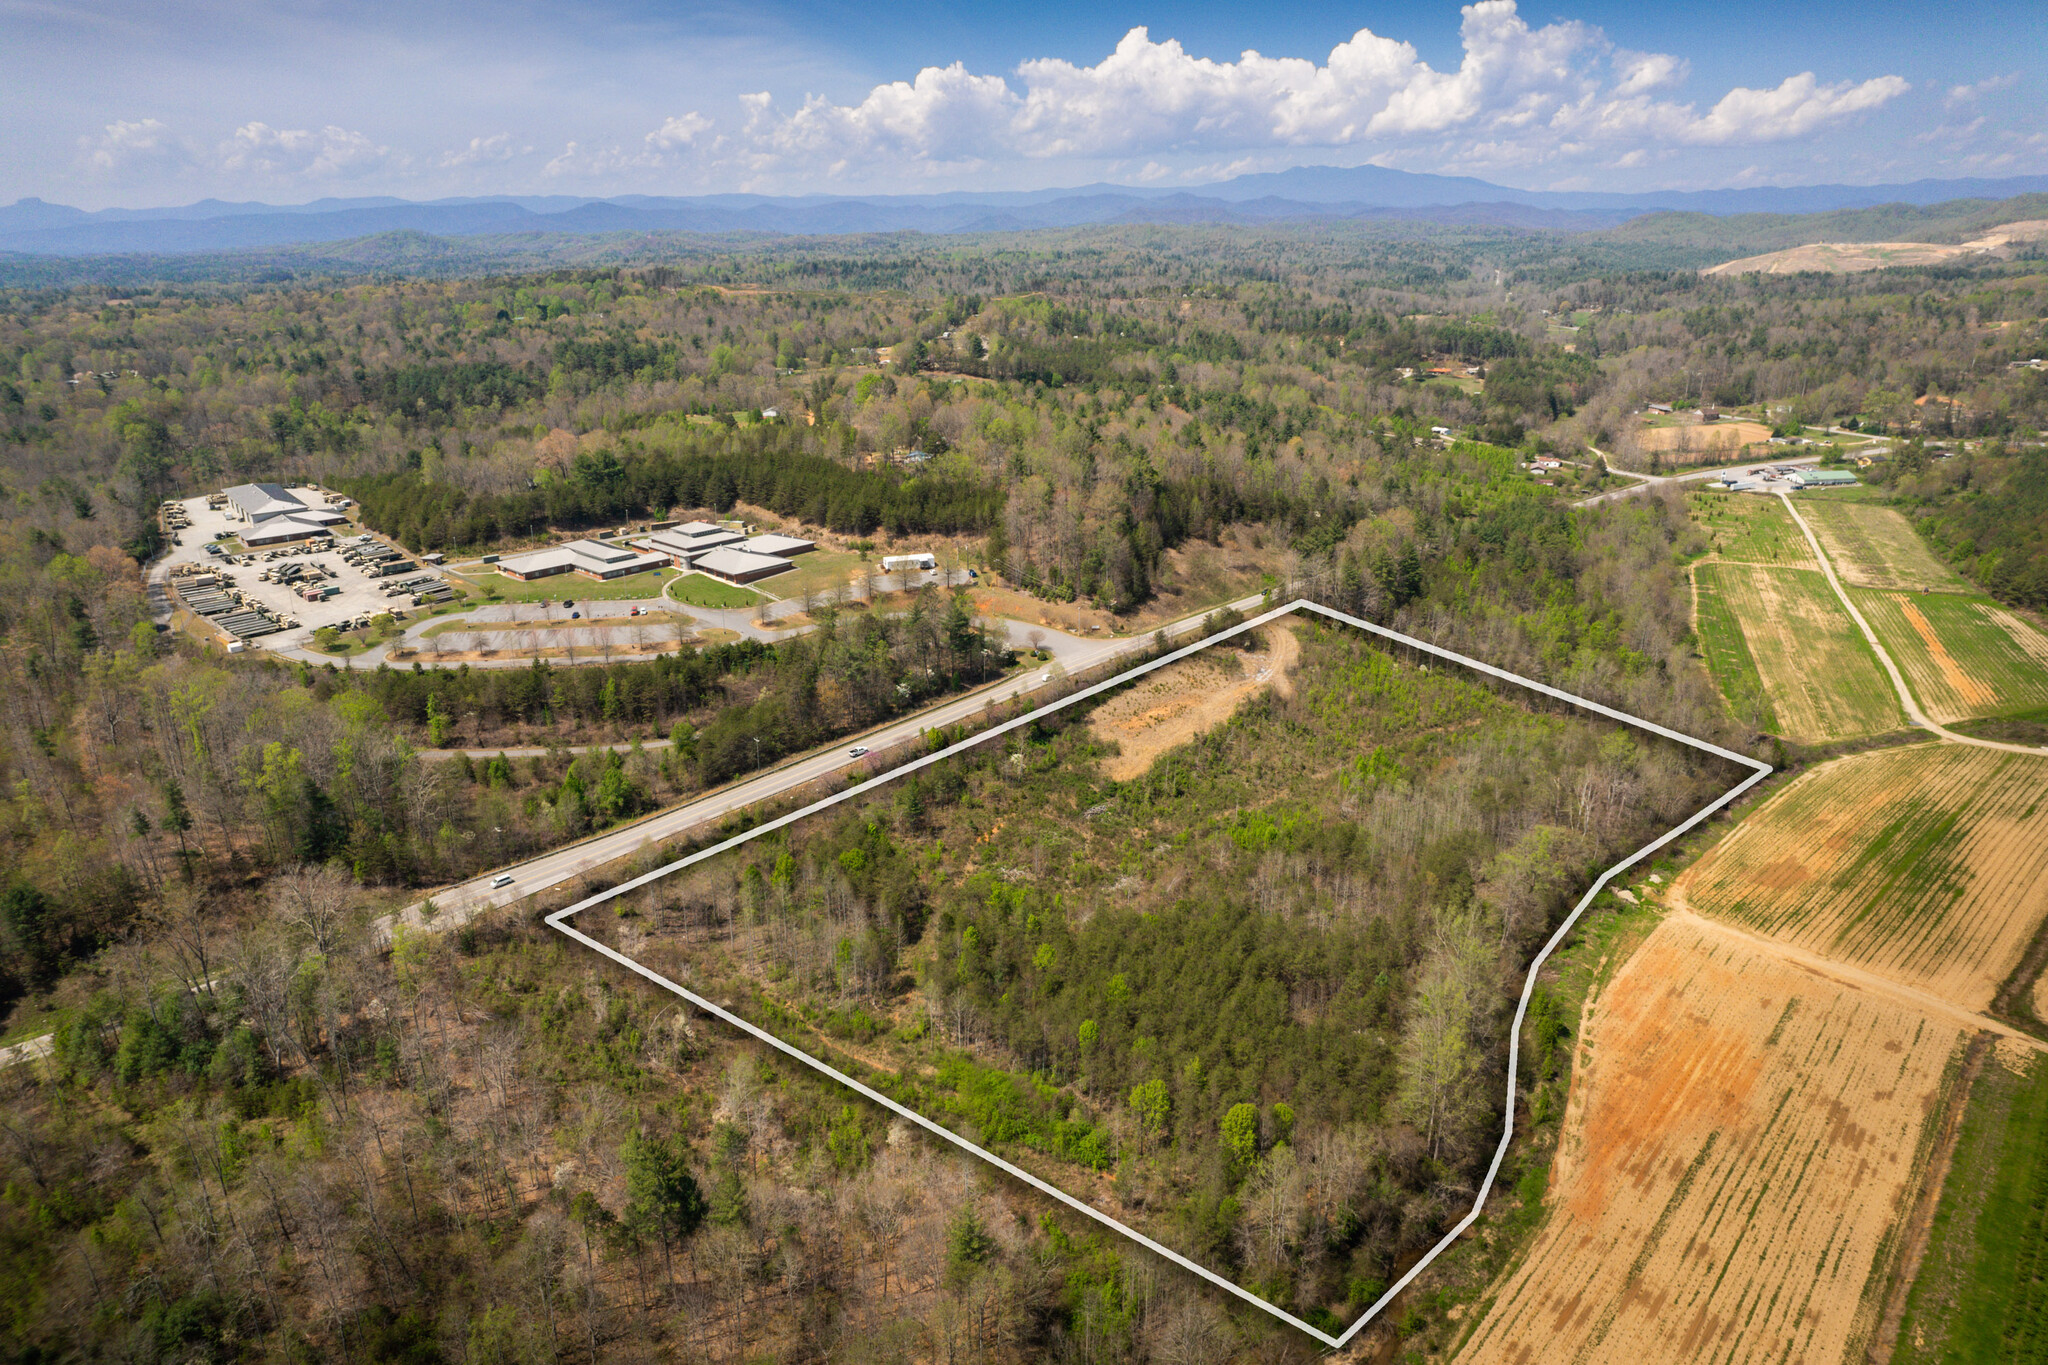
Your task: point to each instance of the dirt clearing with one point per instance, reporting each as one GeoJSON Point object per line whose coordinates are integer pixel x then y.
{"type": "Point", "coordinates": [1166, 709]}
{"type": "Point", "coordinates": [1817, 671]}
{"type": "Point", "coordinates": [1740, 1140]}
{"type": "Point", "coordinates": [1926, 865]}
{"type": "Point", "coordinates": [1701, 436]}
{"type": "Point", "coordinates": [1848, 258]}
{"type": "Point", "coordinates": [1876, 547]}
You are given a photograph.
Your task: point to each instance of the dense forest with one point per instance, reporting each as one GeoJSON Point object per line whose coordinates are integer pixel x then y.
{"type": "Point", "coordinates": [265, 1131]}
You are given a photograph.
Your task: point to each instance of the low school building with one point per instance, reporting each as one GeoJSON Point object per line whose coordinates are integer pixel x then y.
{"type": "Point", "coordinates": [585, 558]}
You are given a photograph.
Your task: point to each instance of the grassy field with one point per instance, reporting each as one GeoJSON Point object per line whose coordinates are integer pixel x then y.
{"type": "Point", "coordinates": [1781, 635]}
{"type": "Point", "coordinates": [563, 587]}
{"type": "Point", "coordinates": [820, 571]}
{"type": "Point", "coordinates": [1964, 656]}
{"type": "Point", "coordinates": [1981, 1297]}
{"type": "Point", "coordinates": [1873, 546]}
{"type": "Point", "coordinates": [1751, 530]}
{"type": "Point", "coordinates": [1727, 652]}
{"type": "Point", "coordinates": [1738, 1138]}
{"type": "Point", "coordinates": [702, 590]}
{"type": "Point", "coordinates": [1928, 865]}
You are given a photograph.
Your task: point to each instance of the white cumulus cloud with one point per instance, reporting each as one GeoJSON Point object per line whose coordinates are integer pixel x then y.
{"type": "Point", "coordinates": [126, 145]}
{"type": "Point", "coordinates": [679, 131]}
{"type": "Point", "coordinates": [483, 151]}
{"type": "Point", "coordinates": [1520, 94]}
{"type": "Point", "coordinates": [332, 153]}
{"type": "Point", "coordinates": [1969, 94]}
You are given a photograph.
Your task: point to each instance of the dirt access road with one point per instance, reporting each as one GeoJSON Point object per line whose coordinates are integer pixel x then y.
{"type": "Point", "coordinates": [1913, 712]}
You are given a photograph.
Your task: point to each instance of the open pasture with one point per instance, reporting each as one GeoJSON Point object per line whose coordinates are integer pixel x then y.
{"type": "Point", "coordinates": [1965, 657]}
{"type": "Point", "coordinates": [1876, 547]}
{"type": "Point", "coordinates": [1928, 865]}
{"type": "Point", "coordinates": [1740, 1139]}
{"type": "Point", "coordinates": [1751, 530]}
{"type": "Point", "coordinates": [1815, 672]}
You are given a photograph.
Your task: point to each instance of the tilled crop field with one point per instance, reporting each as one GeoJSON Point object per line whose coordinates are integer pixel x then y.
{"type": "Point", "coordinates": [1820, 678]}
{"type": "Point", "coordinates": [1925, 865]}
{"type": "Point", "coordinates": [1964, 657]}
{"type": "Point", "coordinates": [1875, 547]}
{"type": "Point", "coordinates": [1741, 1138]}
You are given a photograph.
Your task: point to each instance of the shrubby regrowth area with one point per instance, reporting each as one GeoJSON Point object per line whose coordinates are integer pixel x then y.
{"type": "Point", "coordinates": [1263, 986]}
{"type": "Point", "coordinates": [1250, 992]}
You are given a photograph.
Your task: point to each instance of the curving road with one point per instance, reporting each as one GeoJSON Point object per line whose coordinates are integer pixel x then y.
{"type": "Point", "coordinates": [1691, 476]}
{"type": "Point", "coordinates": [1913, 711]}
{"type": "Point", "coordinates": [455, 904]}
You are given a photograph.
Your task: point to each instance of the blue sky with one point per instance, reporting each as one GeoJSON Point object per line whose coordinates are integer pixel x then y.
{"type": "Point", "coordinates": [132, 104]}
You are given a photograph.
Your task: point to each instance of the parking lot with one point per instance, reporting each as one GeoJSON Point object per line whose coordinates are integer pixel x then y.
{"type": "Point", "coordinates": [259, 599]}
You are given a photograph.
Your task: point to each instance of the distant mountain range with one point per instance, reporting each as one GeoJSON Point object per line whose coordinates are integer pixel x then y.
{"type": "Point", "coordinates": [33, 227]}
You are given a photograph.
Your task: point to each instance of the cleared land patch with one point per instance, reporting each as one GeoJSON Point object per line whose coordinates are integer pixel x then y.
{"type": "Point", "coordinates": [1814, 669]}
{"type": "Point", "coordinates": [1739, 1140]}
{"type": "Point", "coordinates": [1170, 707]}
{"type": "Point", "coordinates": [1721, 437]}
{"type": "Point", "coordinates": [1848, 258]}
{"type": "Point", "coordinates": [1926, 865]}
{"type": "Point", "coordinates": [1982, 1292]}
{"type": "Point", "coordinates": [1751, 530]}
{"type": "Point", "coordinates": [1964, 656]}
{"type": "Point", "coordinates": [1875, 547]}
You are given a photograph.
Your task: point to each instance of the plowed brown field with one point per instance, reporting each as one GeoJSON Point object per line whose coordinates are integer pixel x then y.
{"type": "Point", "coordinates": [1740, 1139]}
{"type": "Point", "coordinates": [1926, 865]}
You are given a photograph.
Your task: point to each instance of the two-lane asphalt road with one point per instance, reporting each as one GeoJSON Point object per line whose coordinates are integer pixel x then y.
{"type": "Point", "coordinates": [455, 904]}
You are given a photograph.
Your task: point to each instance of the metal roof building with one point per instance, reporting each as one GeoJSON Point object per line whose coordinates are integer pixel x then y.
{"type": "Point", "coordinates": [737, 566]}
{"type": "Point", "coordinates": [1823, 478]}
{"type": "Point", "coordinates": [585, 557]}
{"type": "Point", "coordinates": [782, 547]}
{"type": "Point", "coordinates": [262, 501]}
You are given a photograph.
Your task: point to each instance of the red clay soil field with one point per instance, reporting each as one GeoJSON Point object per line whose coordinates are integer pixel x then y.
{"type": "Point", "coordinates": [1926, 865]}
{"type": "Point", "coordinates": [1741, 1138]}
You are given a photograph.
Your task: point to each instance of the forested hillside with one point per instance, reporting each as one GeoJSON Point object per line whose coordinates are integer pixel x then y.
{"type": "Point", "coordinates": [266, 1132]}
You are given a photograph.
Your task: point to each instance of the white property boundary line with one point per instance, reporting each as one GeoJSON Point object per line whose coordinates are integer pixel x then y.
{"type": "Point", "coordinates": [1760, 771]}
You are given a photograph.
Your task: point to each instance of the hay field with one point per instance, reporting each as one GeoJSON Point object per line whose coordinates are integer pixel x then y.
{"type": "Point", "coordinates": [1740, 1139]}
{"type": "Point", "coordinates": [1965, 657]}
{"type": "Point", "coordinates": [1166, 709]}
{"type": "Point", "coordinates": [1723, 437]}
{"type": "Point", "coordinates": [1926, 865]}
{"type": "Point", "coordinates": [1875, 547]}
{"type": "Point", "coordinates": [1811, 664]}
{"type": "Point", "coordinates": [1751, 530]}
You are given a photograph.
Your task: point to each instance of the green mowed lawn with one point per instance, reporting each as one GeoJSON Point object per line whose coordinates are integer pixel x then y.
{"type": "Point", "coordinates": [1981, 1297]}
{"type": "Point", "coordinates": [1751, 529]}
{"type": "Point", "coordinates": [702, 590]}
{"type": "Point", "coordinates": [1964, 655]}
{"type": "Point", "coordinates": [571, 587]}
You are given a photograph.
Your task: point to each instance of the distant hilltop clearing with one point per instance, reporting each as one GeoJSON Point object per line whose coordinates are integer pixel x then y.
{"type": "Point", "coordinates": [1842, 258]}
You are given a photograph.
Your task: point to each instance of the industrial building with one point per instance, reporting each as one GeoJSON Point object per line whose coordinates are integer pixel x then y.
{"type": "Point", "coordinates": [781, 547]}
{"type": "Point", "coordinates": [684, 543]}
{"type": "Point", "coordinates": [276, 515]}
{"type": "Point", "coordinates": [1823, 478]}
{"type": "Point", "coordinates": [738, 566]}
{"type": "Point", "coordinates": [585, 557]}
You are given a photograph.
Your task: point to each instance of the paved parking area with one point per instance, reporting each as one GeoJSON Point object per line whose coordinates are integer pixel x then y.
{"type": "Point", "coordinates": [360, 595]}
